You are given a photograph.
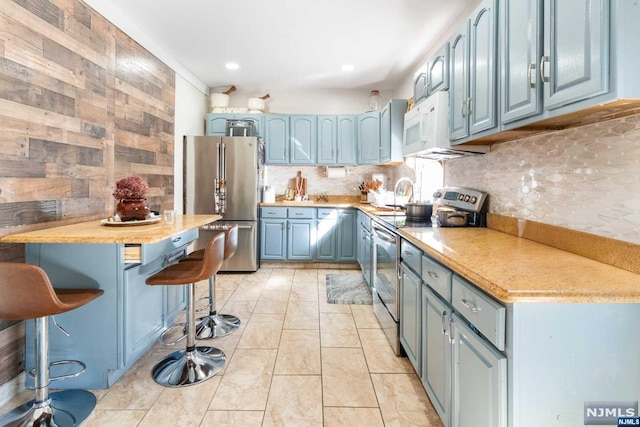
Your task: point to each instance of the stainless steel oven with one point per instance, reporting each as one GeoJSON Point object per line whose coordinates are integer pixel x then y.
{"type": "Point", "coordinates": [386, 245]}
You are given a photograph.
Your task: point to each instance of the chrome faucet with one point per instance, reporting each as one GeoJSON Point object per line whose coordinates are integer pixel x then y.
{"type": "Point", "coordinates": [395, 189]}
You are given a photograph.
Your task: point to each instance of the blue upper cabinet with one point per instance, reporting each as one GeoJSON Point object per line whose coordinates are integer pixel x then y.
{"type": "Point", "coordinates": [303, 140]}
{"type": "Point", "coordinates": [473, 59]}
{"type": "Point", "coordinates": [575, 62]}
{"type": "Point", "coordinates": [567, 62]}
{"type": "Point", "coordinates": [369, 138]}
{"type": "Point", "coordinates": [483, 50]}
{"type": "Point", "coordinates": [327, 140]}
{"type": "Point", "coordinates": [216, 124]}
{"type": "Point", "coordinates": [290, 139]}
{"type": "Point", "coordinates": [576, 50]}
{"type": "Point", "coordinates": [276, 137]}
{"type": "Point", "coordinates": [420, 83]}
{"type": "Point", "coordinates": [521, 45]}
{"type": "Point", "coordinates": [391, 127]}
{"type": "Point", "coordinates": [347, 142]}
{"type": "Point", "coordinates": [380, 134]}
{"type": "Point", "coordinates": [459, 83]}
{"type": "Point", "coordinates": [438, 71]}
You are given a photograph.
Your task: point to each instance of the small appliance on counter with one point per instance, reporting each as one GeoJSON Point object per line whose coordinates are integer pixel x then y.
{"type": "Point", "coordinates": [240, 128]}
{"type": "Point", "coordinates": [459, 207]}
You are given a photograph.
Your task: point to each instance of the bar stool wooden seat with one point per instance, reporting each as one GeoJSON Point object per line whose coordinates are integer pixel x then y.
{"type": "Point", "coordinates": [27, 293]}
{"type": "Point", "coordinates": [194, 364]}
{"type": "Point", "coordinates": [217, 325]}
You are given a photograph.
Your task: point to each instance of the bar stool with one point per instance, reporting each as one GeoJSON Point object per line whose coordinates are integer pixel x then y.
{"type": "Point", "coordinates": [217, 325]}
{"type": "Point", "coordinates": [194, 364]}
{"type": "Point", "coordinates": [26, 293]}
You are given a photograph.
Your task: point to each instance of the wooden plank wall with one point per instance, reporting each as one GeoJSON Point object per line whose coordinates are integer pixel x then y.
{"type": "Point", "coordinates": [81, 106]}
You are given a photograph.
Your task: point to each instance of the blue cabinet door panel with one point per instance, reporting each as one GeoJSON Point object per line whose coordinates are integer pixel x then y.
{"type": "Point", "coordinates": [482, 68]}
{"type": "Point", "coordinates": [576, 50]}
{"type": "Point", "coordinates": [438, 71]}
{"type": "Point", "coordinates": [300, 239]}
{"type": "Point", "coordinates": [327, 140]}
{"type": "Point", "coordinates": [272, 240]}
{"type": "Point", "coordinates": [521, 38]}
{"type": "Point", "coordinates": [347, 242]}
{"type": "Point", "coordinates": [369, 138]}
{"type": "Point", "coordinates": [276, 139]}
{"type": "Point", "coordinates": [303, 140]}
{"type": "Point", "coordinates": [347, 140]}
{"type": "Point", "coordinates": [459, 84]}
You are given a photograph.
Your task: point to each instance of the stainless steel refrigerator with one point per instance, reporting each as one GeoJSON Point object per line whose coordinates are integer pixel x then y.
{"type": "Point", "coordinates": [222, 176]}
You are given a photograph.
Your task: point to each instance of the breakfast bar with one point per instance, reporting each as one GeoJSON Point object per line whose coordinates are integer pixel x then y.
{"type": "Point", "coordinates": [111, 333]}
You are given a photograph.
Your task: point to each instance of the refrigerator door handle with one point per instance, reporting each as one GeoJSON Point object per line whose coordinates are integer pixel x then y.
{"type": "Point", "coordinates": [223, 176]}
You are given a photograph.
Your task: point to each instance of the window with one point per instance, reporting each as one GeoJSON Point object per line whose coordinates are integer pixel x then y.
{"type": "Point", "coordinates": [429, 177]}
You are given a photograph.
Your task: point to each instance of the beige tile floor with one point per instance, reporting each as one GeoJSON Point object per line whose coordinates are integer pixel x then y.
{"type": "Point", "coordinates": [296, 361]}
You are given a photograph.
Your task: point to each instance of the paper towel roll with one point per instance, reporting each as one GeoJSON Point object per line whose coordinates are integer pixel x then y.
{"type": "Point", "coordinates": [336, 172]}
{"type": "Point", "coordinates": [269, 194]}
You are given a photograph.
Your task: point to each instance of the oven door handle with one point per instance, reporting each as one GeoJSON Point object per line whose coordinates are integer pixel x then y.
{"type": "Point", "coordinates": [383, 235]}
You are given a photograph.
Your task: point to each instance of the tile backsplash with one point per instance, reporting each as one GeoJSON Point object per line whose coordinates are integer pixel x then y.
{"type": "Point", "coordinates": [585, 178]}
{"type": "Point", "coordinates": [280, 177]}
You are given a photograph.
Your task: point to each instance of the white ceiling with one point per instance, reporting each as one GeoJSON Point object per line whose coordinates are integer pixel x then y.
{"type": "Point", "coordinates": [289, 44]}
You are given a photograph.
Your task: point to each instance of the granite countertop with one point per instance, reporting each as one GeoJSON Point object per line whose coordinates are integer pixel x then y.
{"type": "Point", "coordinates": [95, 232]}
{"type": "Point", "coordinates": [510, 268]}
{"type": "Point", "coordinates": [336, 202]}
{"type": "Point", "coordinates": [513, 269]}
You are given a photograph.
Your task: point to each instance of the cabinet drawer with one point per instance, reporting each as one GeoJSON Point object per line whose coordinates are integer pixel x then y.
{"type": "Point", "coordinates": [273, 212]}
{"type": "Point", "coordinates": [327, 213]}
{"type": "Point", "coordinates": [410, 255]}
{"type": "Point", "coordinates": [437, 277]}
{"type": "Point", "coordinates": [153, 251]}
{"type": "Point", "coordinates": [486, 314]}
{"type": "Point", "coordinates": [301, 213]}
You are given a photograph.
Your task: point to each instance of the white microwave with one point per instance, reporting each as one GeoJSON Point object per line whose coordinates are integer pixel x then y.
{"type": "Point", "coordinates": [426, 125]}
{"type": "Point", "coordinates": [426, 131]}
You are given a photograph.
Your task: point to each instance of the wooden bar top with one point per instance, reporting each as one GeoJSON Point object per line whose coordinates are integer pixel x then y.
{"type": "Point", "coordinates": [95, 232]}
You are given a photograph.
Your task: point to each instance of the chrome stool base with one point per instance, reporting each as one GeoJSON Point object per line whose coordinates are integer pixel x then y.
{"type": "Point", "coordinates": [215, 326]}
{"type": "Point", "coordinates": [230, 318]}
{"type": "Point", "coordinates": [188, 367]}
{"type": "Point", "coordinates": [66, 408]}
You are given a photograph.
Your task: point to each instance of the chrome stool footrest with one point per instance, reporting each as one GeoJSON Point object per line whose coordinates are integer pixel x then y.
{"type": "Point", "coordinates": [188, 367]}
{"type": "Point", "coordinates": [169, 329]}
{"type": "Point", "coordinates": [83, 368]}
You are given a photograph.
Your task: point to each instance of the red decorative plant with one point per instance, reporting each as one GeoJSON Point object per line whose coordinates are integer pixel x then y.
{"type": "Point", "coordinates": [132, 187]}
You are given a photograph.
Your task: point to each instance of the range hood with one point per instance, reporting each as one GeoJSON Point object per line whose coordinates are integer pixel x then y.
{"type": "Point", "coordinates": [452, 153]}
{"type": "Point", "coordinates": [426, 131]}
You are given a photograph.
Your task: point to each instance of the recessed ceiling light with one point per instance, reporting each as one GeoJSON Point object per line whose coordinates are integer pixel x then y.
{"type": "Point", "coordinates": [347, 67]}
{"type": "Point", "coordinates": [231, 66]}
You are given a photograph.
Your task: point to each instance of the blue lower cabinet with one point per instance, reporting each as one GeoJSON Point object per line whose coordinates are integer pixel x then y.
{"type": "Point", "coordinates": [410, 320]}
{"type": "Point", "coordinates": [300, 239]}
{"type": "Point", "coordinates": [326, 234]}
{"type": "Point", "coordinates": [124, 323]}
{"type": "Point", "coordinates": [273, 239]}
{"type": "Point", "coordinates": [142, 298]}
{"type": "Point", "coordinates": [307, 234]}
{"type": "Point", "coordinates": [347, 235]}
